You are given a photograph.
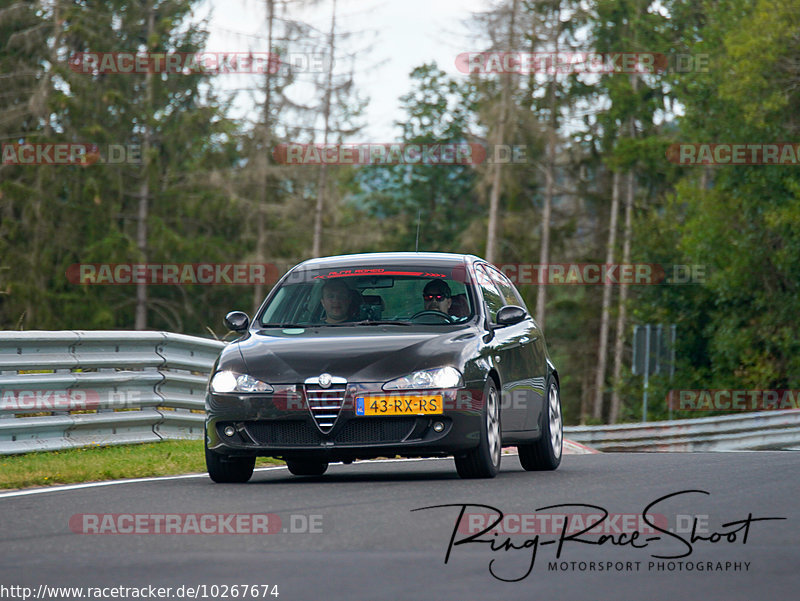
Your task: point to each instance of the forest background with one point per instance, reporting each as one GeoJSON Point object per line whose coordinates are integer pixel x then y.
{"type": "Point", "coordinates": [596, 184]}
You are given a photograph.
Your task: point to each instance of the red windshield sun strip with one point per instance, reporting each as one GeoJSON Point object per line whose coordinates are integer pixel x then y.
{"type": "Point", "coordinates": [338, 274]}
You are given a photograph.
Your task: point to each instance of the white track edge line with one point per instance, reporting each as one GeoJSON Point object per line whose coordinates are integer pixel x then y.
{"type": "Point", "coordinates": [82, 485]}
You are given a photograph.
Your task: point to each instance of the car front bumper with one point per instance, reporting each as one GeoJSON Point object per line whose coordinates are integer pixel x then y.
{"type": "Point", "coordinates": [282, 425]}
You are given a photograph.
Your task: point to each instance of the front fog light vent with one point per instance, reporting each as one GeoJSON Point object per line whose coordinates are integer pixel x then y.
{"type": "Point", "coordinates": [229, 431]}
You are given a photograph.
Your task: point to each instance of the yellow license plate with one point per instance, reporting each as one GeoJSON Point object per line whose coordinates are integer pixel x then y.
{"type": "Point", "coordinates": [410, 404]}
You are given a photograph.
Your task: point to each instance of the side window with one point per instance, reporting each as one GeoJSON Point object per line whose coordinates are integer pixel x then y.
{"type": "Point", "coordinates": [492, 296]}
{"type": "Point", "coordinates": [510, 294]}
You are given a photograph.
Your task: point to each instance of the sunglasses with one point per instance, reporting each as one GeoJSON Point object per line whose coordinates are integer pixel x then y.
{"type": "Point", "coordinates": [436, 297]}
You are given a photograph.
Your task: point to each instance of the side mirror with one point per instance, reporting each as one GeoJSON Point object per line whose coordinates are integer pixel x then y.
{"type": "Point", "coordinates": [509, 315]}
{"type": "Point", "coordinates": [237, 321]}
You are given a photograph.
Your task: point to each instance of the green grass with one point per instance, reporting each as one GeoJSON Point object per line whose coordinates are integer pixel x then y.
{"type": "Point", "coordinates": [94, 464]}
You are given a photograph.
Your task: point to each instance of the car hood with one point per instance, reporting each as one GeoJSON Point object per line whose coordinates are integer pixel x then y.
{"type": "Point", "coordinates": [358, 354]}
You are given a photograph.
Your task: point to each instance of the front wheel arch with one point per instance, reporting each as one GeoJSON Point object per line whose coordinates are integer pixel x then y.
{"type": "Point", "coordinates": [483, 461]}
{"type": "Point", "coordinates": [545, 453]}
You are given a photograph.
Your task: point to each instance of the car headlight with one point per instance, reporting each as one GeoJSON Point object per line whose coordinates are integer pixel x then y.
{"type": "Point", "coordinates": [442, 377]}
{"type": "Point", "coordinates": [228, 381]}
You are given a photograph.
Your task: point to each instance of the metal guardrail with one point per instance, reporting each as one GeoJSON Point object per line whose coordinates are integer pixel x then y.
{"type": "Point", "coordinates": [100, 388]}
{"type": "Point", "coordinates": [114, 387]}
{"type": "Point", "coordinates": [747, 431]}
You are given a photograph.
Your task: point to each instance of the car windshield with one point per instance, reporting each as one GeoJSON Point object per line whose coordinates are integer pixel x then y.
{"type": "Point", "coordinates": [367, 296]}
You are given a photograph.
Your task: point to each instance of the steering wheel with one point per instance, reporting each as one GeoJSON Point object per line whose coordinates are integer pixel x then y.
{"type": "Point", "coordinates": [433, 313]}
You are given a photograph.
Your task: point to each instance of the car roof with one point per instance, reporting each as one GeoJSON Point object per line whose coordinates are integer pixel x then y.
{"type": "Point", "coordinates": [388, 258]}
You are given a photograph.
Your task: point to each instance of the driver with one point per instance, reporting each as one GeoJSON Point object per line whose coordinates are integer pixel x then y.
{"type": "Point", "coordinates": [337, 298]}
{"type": "Point", "coordinates": [436, 296]}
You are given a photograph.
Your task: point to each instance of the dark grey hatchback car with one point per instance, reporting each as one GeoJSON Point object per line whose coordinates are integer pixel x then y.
{"type": "Point", "coordinates": [384, 354]}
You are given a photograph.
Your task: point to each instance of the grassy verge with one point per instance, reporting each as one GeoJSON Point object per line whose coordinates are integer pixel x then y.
{"type": "Point", "coordinates": [93, 464]}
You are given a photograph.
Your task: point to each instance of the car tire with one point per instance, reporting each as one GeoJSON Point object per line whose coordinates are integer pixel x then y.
{"type": "Point", "coordinates": [545, 453]}
{"type": "Point", "coordinates": [306, 467]}
{"type": "Point", "coordinates": [224, 469]}
{"type": "Point", "coordinates": [484, 460]}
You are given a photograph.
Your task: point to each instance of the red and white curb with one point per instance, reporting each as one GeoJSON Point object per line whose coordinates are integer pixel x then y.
{"type": "Point", "coordinates": [576, 448]}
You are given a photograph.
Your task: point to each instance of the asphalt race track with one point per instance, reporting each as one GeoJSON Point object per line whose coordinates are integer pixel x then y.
{"type": "Point", "coordinates": [352, 534]}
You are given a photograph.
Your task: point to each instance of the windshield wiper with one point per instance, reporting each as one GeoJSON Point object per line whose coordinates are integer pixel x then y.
{"type": "Point", "coordinates": [365, 322]}
{"type": "Point", "coordinates": [381, 322]}
{"type": "Point", "coordinates": [283, 325]}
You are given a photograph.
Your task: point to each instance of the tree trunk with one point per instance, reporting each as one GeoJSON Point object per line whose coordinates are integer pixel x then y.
{"type": "Point", "coordinates": [144, 187]}
{"type": "Point", "coordinates": [497, 180]}
{"type": "Point", "coordinates": [261, 235]}
{"type": "Point", "coordinates": [613, 414]}
{"type": "Point", "coordinates": [322, 179]}
{"type": "Point", "coordinates": [623, 298]}
{"type": "Point", "coordinates": [494, 196]}
{"type": "Point", "coordinates": [41, 229]}
{"type": "Point", "coordinates": [602, 347]}
{"type": "Point", "coordinates": [550, 176]}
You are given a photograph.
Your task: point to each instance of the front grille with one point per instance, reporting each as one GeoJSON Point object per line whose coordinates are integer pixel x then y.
{"type": "Point", "coordinates": [375, 430]}
{"type": "Point", "coordinates": [367, 430]}
{"type": "Point", "coordinates": [287, 433]}
{"type": "Point", "coordinates": [325, 403]}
